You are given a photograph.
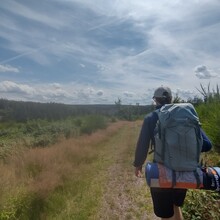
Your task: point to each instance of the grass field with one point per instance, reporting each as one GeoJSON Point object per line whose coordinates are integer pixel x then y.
{"type": "Point", "coordinates": [89, 177]}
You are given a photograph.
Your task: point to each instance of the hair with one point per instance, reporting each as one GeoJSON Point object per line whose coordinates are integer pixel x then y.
{"type": "Point", "coordinates": [166, 99]}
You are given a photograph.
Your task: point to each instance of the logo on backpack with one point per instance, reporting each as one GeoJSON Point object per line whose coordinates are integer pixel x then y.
{"type": "Point", "coordinates": [178, 139]}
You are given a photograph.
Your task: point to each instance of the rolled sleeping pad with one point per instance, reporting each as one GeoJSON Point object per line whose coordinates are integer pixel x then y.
{"type": "Point", "coordinates": [211, 178]}
{"type": "Point", "coordinates": [159, 176]}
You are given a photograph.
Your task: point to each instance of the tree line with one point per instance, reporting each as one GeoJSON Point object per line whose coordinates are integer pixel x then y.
{"type": "Point", "coordinates": [20, 111]}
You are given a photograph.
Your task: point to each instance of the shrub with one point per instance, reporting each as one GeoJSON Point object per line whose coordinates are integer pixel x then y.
{"type": "Point", "coordinates": [200, 204]}
{"type": "Point", "coordinates": [22, 206]}
{"type": "Point", "coordinates": [210, 119]}
{"type": "Point", "coordinates": [93, 122]}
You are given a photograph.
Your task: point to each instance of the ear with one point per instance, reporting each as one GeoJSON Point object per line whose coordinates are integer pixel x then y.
{"type": "Point", "coordinates": [157, 102]}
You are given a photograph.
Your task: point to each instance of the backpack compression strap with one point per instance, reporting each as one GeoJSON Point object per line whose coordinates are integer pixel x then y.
{"type": "Point", "coordinates": [195, 174]}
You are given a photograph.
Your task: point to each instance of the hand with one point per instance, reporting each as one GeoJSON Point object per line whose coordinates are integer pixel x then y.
{"type": "Point", "coordinates": [138, 171]}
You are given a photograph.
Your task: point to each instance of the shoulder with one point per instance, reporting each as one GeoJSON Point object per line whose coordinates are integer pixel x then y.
{"type": "Point", "coordinates": [207, 145]}
{"type": "Point", "coordinates": [151, 117]}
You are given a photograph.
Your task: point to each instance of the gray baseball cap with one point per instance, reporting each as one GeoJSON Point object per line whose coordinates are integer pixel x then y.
{"type": "Point", "coordinates": [162, 92]}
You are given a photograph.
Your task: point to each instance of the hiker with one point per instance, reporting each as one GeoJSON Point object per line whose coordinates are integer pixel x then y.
{"type": "Point", "coordinates": [166, 202]}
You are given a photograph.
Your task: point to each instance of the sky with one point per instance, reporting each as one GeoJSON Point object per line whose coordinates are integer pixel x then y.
{"type": "Point", "coordinates": [100, 51]}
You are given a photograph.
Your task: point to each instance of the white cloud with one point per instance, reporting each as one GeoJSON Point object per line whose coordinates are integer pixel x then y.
{"type": "Point", "coordinates": [41, 93]}
{"type": "Point", "coordinates": [112, 46]}
{"type": "Point", "coordinates": [128, 94]}
{"type": "Point", "coordinates": [12, 87]}
{"type": "Point", "coordinates": [55, 85]}
{"type": "Point", "coordinates": [82, 65]}
{"type": "Point", "coordinates": [202, 72]}
{"type": "Point", "coordinates": [54, 91]}
{"type": "Point", "coordinates": [8, 68]}
{"type": "Point", "coordinates": [79, 93]}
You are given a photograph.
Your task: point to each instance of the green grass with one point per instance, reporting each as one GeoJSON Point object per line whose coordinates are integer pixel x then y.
{"type": "Point", "coordinates": [201, 204]}
{"type": "Point", "coordinates": [80, 196]}
{"type": "Point", "coordinates": [58, 182]}
{"type": "Point", "coordinates": [42, 133]}
{"type": "Point", "coordinates": [210, 118]}
{"type": "Point", "coordinates": [77, 198]}
{"type": "Point", "coordinates": [81, 172]}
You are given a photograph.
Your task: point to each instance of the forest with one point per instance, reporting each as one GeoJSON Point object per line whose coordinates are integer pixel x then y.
{"type": "Point", "coordinates": [20, 111]}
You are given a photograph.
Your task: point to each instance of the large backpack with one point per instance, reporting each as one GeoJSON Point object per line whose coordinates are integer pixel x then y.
{"type": "Point", "coordinates": [178, 139]}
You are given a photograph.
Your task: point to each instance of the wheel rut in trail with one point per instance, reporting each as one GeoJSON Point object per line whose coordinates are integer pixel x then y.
{"type": "Point", "coordinates": [125, 196]}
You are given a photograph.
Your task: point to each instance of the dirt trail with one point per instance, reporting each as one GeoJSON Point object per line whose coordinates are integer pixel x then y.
{"type": "Point", "coordinates": [125, 196]}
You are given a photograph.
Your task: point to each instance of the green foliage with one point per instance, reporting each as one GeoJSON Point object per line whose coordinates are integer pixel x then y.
{"type": "Point", "coordinates": [210, 114]}
{"type": "Point", "coordinates": [93, 122]}
{"type": "Point", "coordinates": [210, 118]}
{"type": "Point", "coordinates": [177, 99]}
{"type": "Point", "coordinates": [42, 133]}
{"type": "Point", "coordinates": [201, 205]}
{"type": "Point", "coordinates": [131, 112]}
{"type": "Point", "coordinates": [22, 206]}
{"type": "Point", "coordinates": [18, 111]}
{"type": "Point", "coordinates": [208, 95]}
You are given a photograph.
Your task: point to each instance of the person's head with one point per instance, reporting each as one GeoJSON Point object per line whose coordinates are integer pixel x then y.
{"type": "Point", "coordinates": [162, 95]}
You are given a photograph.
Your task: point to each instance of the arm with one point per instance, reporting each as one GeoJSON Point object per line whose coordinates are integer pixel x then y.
{"type": "Point", "coordinates": [207, 145]}
{"type": "Point", "coordinates": [144, 142]}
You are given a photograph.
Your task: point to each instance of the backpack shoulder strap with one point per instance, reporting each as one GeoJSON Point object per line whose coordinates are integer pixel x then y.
{"type": "Point", "coordinates": [153, 125]}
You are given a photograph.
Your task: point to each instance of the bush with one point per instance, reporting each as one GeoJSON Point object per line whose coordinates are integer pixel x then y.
{"type": "Point", "coordinates": [93, 122]}
{"type": "Point", "coordinates": [22, 206]}
{"type": "Point", "coordinates": [210, 118]}
{"type": "Point", "coordinates": [200, 204]}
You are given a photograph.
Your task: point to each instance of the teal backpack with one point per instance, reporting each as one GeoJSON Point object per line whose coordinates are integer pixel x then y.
{"type": "Point", "coordinates": [178, 139]}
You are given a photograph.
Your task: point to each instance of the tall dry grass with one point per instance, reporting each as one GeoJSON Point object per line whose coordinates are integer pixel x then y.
{"type": "Point", "coordinates": [39, 171]}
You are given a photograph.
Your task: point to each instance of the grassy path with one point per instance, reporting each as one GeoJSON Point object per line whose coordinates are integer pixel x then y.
{"type": "Point", "coordinates": [125, 196]}
{"type": "Point", "coordinates": [85, 178]}
{"type": "Point", "coordinates": [104, 185]}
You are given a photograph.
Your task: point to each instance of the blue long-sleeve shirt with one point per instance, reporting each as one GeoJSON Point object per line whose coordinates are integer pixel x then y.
{"type": "Point", "coordinates": [146, 137]}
